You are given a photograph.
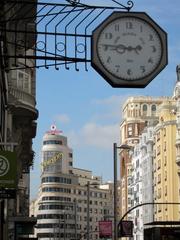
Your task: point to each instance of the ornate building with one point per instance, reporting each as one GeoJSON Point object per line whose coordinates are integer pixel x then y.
{"type": "Point", "coordinates": [164, 164]}
{"type": "Point", "coordinates": [71, 201]}
{"type": "Point", "coordinates": [18, 108]}
{"type": "Point", "coordinates": [176, 96]}
{"type": "Point", "coordinates": [137, 113]}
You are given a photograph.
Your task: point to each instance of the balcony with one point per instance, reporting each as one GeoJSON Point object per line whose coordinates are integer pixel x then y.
{"type": "Point", "coordinates": [22, 96]}
{"type": "Point", "coordinates": [22, 102]}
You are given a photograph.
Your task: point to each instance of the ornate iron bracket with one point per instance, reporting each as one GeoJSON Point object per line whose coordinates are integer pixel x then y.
{"type": "Point", "coordinates": [51, 34]}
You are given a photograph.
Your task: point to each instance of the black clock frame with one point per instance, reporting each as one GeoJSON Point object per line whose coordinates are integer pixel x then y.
{"type": "Point", "coordinates": [114, 81]}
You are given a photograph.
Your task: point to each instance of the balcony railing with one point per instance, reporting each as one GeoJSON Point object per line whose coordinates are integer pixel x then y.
{"type": "Point", "coordinates": [23, 97]}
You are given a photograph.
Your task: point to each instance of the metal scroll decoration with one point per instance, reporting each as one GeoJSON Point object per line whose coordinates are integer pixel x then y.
{"type": "Point", "coordinates": [51, 34]}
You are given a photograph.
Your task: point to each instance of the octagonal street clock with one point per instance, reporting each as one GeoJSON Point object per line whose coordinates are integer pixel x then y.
{"type": "Point", "coordinates": [129, 49]}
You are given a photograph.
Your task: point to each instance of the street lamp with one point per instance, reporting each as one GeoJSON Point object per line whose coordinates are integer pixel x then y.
{"type": "Point", "coordinates": [115, 147]}
{"type": "Point", "coordinates": [75, 217]}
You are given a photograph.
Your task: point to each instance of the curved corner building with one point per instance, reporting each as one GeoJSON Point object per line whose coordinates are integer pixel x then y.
{"type": "Point", "coordinates": [55, 208]}
{"type": "Point", "coordinates": [64, 195]}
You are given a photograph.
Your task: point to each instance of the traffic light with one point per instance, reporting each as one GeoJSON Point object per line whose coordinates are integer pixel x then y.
{"type": "Point", "coordinates": [125, 229]}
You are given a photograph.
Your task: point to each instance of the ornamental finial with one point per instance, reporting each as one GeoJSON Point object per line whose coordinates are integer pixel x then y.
{"type": "Point", "coordinates": [54, 130]}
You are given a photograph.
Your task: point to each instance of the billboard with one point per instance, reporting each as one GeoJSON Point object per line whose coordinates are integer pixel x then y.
{"type": "Point", "coordinates": [105, 229]}
{"type": "Point", "coordinates": [8, 170]}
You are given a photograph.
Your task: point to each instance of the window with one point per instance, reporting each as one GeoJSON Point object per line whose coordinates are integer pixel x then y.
{"type": "Point", "coordinates": [130, 130]}
{"type": "Point", "coordinates": [164, 146]}
{"type": "Point", "coordinates": [56, 198]}
{"type": "Point", "coordinates": [159, 164]}
{"type": "Point", "coordinates": [155, 181]}
{"type": "Point", "coordinates": [56, 179]}
{"type": "Point", "coordinates": [70, 155]}
{"type": "Point", "coordinates": [24, 80]}
{"type": "Point", "coordinates": [52, 142]}
{"type": "Point", "coordinates": [56, 189]}
{"type": "Point", "coordinates": [137, 163]}
{"type": "Point", "coordinates": [158, 150]}
{"type": "Point", "coordinates": [155, 195]}
{"type": "Point", "coordinates": [159, 178]}
{"type": "Point", "coordinates": [165, 161]}
{"type": "Point", "coordinates": [158, 136]}
{"type": "Point", "coordinates": [144, 110]}
{"type": "Point", "coordinates": [150, 134]}
{"type": "Point", "coordinates": [153, 109]}
{"type": "Point", "coordinates": [165, 191]}
{"type": "Point", "coordinates": [164, 131]}
{"type": "Point", "coordinates": [159, 208]}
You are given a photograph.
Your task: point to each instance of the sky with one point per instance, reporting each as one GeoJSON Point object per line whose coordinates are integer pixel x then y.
{"type": "Point", "coordinates": [88, 110]}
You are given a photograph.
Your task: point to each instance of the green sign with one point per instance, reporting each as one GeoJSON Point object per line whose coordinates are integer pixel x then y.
{"type": "Point", "coordinates": [8, 169]}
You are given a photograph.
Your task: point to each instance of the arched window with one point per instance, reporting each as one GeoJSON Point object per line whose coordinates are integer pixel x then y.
{"type": "Point", "coordinates": [153, 109]}
{"type": "Point", "coordinates": [144, 109]}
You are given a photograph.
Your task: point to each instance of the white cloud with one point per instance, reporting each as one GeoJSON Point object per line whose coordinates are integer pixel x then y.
{"type": "Point", "coordinates": [62, 118]}
{"type": "Point", "coordinates": [102, 128]}
{"type": "Point", "coordinates": [100, 136]}
{"type": "Point", "coordinates": [92, 134]}
{"type": "Point", "coordinates": [111, 101]}
{"type": "Point", "coordinates": [110, 108]}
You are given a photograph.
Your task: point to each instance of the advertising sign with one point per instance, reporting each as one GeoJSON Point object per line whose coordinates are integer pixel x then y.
{"type": "Point", "coordinates": [8, 170]}
{"type": "Point", "coordinates": [52, 160]}
{"type": "Point", "coordinates": [105, 229]}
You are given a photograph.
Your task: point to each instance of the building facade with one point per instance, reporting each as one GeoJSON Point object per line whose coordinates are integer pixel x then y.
{"type": "Point", "coordinates": [147, 144]}
{"type": "Point", "coordinates": [71, 201]}
{"type": "Point", "coordinates": [141, 187]}
{"type": "Point", "coordinates": [136, 192]}
{"type": "Point", "coordinates": [151, 173]}
{"type": "Point", "coordinates": [165, 168]}
{"type": "Point", "coordinates": [137, 112]}
{"type": "Point", "coordinates": [18, 108]}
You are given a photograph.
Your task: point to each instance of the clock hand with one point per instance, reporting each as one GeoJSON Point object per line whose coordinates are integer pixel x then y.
{"type": "Point", "coordinates": [136, 49]}
{"type": "Point", "coordinates": [119, 48]}
{"type": "Point", "coordinates": [106, 46]}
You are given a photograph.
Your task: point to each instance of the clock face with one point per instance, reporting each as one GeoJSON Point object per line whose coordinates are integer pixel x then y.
{"type": "Point", "coordinates": [129, 48]}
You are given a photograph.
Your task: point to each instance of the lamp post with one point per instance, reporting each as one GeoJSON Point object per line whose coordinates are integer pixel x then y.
{"type": "Point", "coordinates": [88, 196]}
{"type": "Point", "coordinates": [88, 200]}
{"type": "Point", "coordinates": [75, 217]}
{"type": "Point", "coordinates": [115, 147]}
{"type": "Point", "coordinates": [64, 223]}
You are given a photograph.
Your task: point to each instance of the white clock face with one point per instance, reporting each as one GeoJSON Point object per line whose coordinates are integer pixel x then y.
{"type": "Point", "coordinates": [129, 48]}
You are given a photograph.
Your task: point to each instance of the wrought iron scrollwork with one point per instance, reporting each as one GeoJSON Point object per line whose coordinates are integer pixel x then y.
{"type": "Point", "coordinates": [130, 5]}
{"type": "Point", "coordinates": [52, 34]}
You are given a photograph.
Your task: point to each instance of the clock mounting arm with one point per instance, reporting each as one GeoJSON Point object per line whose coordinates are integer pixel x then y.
{"type": "Point", "coordinates": [61, 31]}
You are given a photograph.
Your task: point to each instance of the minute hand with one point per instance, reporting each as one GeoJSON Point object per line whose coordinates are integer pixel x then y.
{"type": "Point", "coordinates": [121, 49]}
